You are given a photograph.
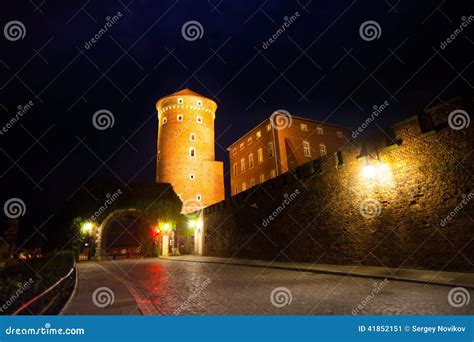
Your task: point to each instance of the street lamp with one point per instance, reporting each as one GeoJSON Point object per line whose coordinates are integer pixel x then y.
{"type": "Point", "coordinates": [87, 227]}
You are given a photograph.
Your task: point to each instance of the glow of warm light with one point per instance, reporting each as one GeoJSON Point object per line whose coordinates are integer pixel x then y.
{"type": "Point", "coordinates": [199, 224]}
{"type": "Point", "coordinates": [191, 224]}
{"type": "Point", "coordinates": [369, 171]}
{"type": "Point", "coordinates": [166, 227]}
{"type": "Point", "coordinates": [87, 227]}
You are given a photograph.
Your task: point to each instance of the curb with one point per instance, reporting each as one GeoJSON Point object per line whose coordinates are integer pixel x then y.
{"type": "Point", "coordinates": [339, 273]}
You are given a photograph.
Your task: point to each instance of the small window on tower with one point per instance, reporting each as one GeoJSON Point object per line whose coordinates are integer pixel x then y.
{"type": "Point", "coordinates": [234, 169]}
{"type": "Point", "coordinates": [192, 152]}
{"type": "Point", "coordinates": [258, 134]}
{"type": "Point", "coordinates": [180, 100]}
{"type": "Point", "coordinates": [249, 141]}
{"type": "Point", "coordinates": [272, 173]}
{"type": "Point", "coordinates": [322, 150]}
{"type": "Point", "coordinates": [199, 102]}
{"type": "Point", "coordinates": [234, 150]}
{"type": "Point", "coordinates": [164, 121]}
{"type": "Point", "coordinates": [199, 119]}
{"type": "Point", "coordinates": [306, 149]}
{"type": "Point", "coordinates": [250, 160]}
{"type": "Point", "coordinates": [319, 130]}
{"type": "Point", "coordinates": [252, 182]}
{"type": "Point", "coordinates": [304, 127]}
{"type": "Point", "coordinates": [192, 176]}
{"type": "Point", "coordinates": [180, 117]}
{"type": "Point", "coordinates": [269, 127]}
{"type": "Point", "coordinates": [192, 137]}
{"type": "Point", "coordinates": [199, 197]}
{"type": "Point", "coordinates": [244, 186]}
{"type": "Point", "coordinates": [241, 146]}
{"type": "Point", "coordinates": [262, 178]}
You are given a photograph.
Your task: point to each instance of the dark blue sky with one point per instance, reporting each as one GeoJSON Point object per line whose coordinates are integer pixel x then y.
{"type": "Point", "coordinates": [320, 67]}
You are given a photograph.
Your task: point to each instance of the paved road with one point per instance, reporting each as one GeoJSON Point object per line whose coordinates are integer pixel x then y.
{"type": "Point", "coordinates": [188, 288]}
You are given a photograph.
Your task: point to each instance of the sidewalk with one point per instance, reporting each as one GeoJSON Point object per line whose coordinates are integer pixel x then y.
{"type": "Point", "coordinates": [91, 276]}
{"type": "Point", "coordinates": [403, 274]}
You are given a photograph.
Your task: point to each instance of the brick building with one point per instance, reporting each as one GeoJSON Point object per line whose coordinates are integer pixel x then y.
{"type": "Point", "coordinates": [186, 155]}
{"type": "Point", "coordinates": [279, 144]}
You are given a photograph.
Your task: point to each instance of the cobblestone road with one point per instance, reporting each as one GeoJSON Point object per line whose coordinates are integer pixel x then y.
{"type": "Point", "coordinates": [187, 288]}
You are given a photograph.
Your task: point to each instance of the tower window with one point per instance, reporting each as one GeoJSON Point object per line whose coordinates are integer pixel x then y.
{"type": "Point", "coordinates": [250, 160]}
{"type": "Point", "coordinates": [262, 178]}
{"type": "Point", "coordinates": [270, 149]}
{"type": "Point", "coordinates": [164, 121]}
{"type": "Point", "coordinates": [180, 100]}
{"type": "Point", "coordinates": [236, 190]}
{"type": "Point", "coordinates": [192, 137]}
{"type": "Point", "coordinates": [272, 173]}
{"type": "Point", "coordinates": [241, 146]}
{"type": "Point", "coordinates": [269, 127]}
{"type": "Point", "coordinates": [249, 141]}
{"type": "Point", "coordinates": [234, 151]}
{"type": "Point", "coordinates": [199, 102]}
{"type": "Point", "coordinates": [322, 149]}
{"type": "Point", "coordinates": [180, 117]}
{"type": "Point", "coordinates": [192, 152]}
{"type": "Point", "coordinates": [339, 134]}
{"type": "Point", "coordinates": [199, 119]}
{"type": "Point", "coordinates": [260, 155]}
{"type": "Point", "coordinates": [304, 127]}
{"type": "Point", "coordinates": [192, 176]}
{"type": "Point", "coordinates": [319, 130]}
{"type": "Point", "coordinates": [252, 182]}
{"type": "Point", "coordinates": [258, 134]}
{"type": "Point", "coordinates": [244, 186]}
{"type": "Point", "coordinates": [242, 165]}
{"type": "Point", "coordinates": [234, 169]}
{"type": "Point", "coordinates": [199, 197]}
{"type": "Point", "coordinates": [306, 149]}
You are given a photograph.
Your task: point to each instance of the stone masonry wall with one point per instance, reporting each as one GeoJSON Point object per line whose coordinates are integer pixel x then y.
{"type": "Point", "coordinates": [328, 212]}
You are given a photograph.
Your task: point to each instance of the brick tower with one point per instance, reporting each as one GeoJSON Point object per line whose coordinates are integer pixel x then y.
{"type": "Point", "coordinates": [186, 157]}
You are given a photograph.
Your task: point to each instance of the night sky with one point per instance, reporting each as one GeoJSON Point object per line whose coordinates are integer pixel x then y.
{"type": "Point", "coordinates": [319, 68]}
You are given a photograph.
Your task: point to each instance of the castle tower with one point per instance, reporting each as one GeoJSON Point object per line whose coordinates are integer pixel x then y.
{"type": "Point", "coordinates": [186, 149]}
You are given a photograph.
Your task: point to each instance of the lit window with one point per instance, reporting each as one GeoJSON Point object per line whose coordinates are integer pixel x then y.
{"type": "Point", "coordinates": [249, 141]}
{"type": "Point", "coordinates": [234, 151]}
{"type": "Point", "coordinates": [192, 137]}
{"type": "Point", "coordinates": [199, 102]}
{"type": "Point", "coordinates": [180, 100]}
{"type": "Point", "coordinates": [199, 197]}
{"type": "Point", "coordinates": [270, 149]}
{"type": "Point", "coordinates": [236, 190]}
{"type": "Point", "coordinates": [164, 121]}
{"type": "Point", "coordinates": [244, 186]}
{"type": "Point", "coordinates": [192, 176]}
{"type": "Point", "coordinates": [339, 134]}
{"type": "Point", "coordinates": [269, 127]}
{"type": "Point", "coordinates": [180, 117]}
{"type": "Point", "coordinates": [252, 182]}
{"type": "Point", "coordinates": [304, 127]}
{"type": "Point", "coordinates": [234, 169]}
{"type": "Point", "coordinates": [322, 149]}
{"type": "Point", "coordinates": [250, 160]}
{"type": "Point", "coordinates": [241, 146]}
{"type": "Point", "coordinates": [192, 152]}
{"type": "Point", "coordinates": [260, 155]}
{"type": "Point", "coordinates": [319, 130]}
{"type": "Point", "coordinates": [306, 149]}
{"type": "Point", "coordinates": [242, 165]}
{"type": "Point", "coordinates": [272, 173]}
{"type": "Point", "coordinates": [262, 178]}
{"type": "Point", "coordinates": [199, 119]}
{"type": "Point", "coordinates": [258, 134]}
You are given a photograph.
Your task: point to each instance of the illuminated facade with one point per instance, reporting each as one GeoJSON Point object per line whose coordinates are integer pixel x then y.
{"type": "Point", "coordinates": [185, 147]}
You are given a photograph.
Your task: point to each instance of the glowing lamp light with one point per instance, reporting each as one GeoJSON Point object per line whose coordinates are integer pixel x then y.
{"type": "Point", "coordinates": [87, 227]}
{"type": "Point", "coordinates": [192, 224]}
{"type": "Point", "coordinates": [369, 171]}
{"type": "Point", "coordinates": [166, 227]}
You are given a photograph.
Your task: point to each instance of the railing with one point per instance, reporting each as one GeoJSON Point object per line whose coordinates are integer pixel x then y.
{"type": "Point", "coordinates": [41, 295]}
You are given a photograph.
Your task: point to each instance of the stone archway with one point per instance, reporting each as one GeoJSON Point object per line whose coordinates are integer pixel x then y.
{"type": "Point", "coordinates": [127, 238]}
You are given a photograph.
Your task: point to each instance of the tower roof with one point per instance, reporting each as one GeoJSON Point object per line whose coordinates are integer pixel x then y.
{"type": "Point", "coordinates": [186, 92]}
